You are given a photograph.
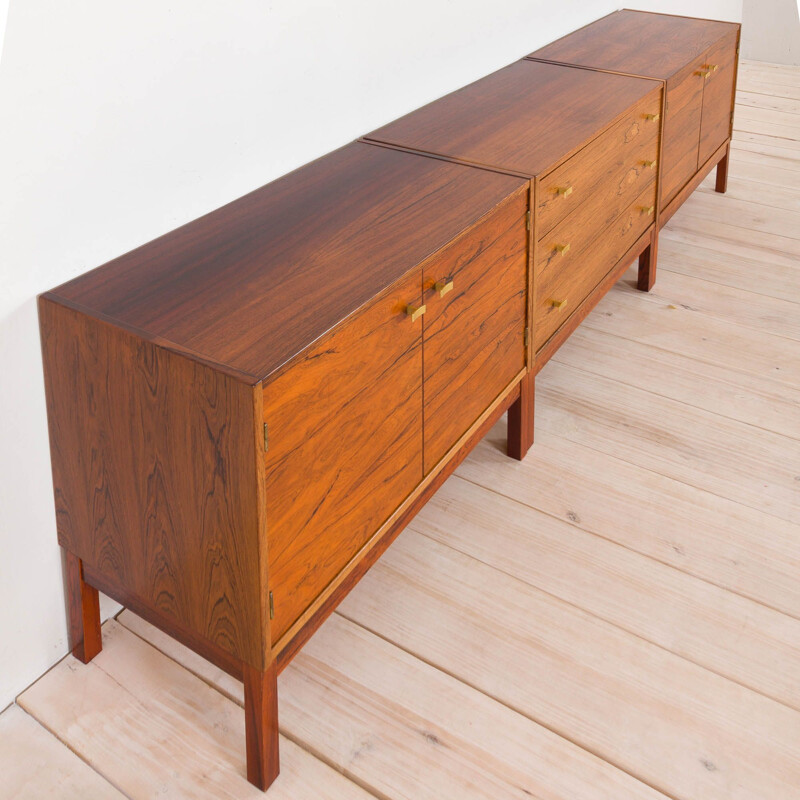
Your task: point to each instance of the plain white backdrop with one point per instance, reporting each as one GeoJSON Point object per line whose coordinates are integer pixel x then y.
{"type": "Point", "coordinates": [120, 121]}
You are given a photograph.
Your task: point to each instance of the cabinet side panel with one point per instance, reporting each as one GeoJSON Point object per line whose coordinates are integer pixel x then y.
{"type": "Point", "coordinates": [154, 475]}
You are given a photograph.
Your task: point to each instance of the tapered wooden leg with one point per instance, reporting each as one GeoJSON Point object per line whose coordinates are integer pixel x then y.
{"type": "Point", "coordinates": [83, 608]}
{"type": "Point", "coordinates": [520, 419]}
{"type": "Point", "coordinates": [261, 724]}
{"type": "Point", "coordinates": [722, 171]}
{"type": "Point", "coordinates": [647, 264]}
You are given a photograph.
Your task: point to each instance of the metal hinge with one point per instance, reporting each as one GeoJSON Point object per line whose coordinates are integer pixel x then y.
{"type": "Point", "coordinates": [266, 437]}
{"type": "Point", "coordinates": [528, 221]}
{"type": "Point", "coordinates": [271, 607]}
{"type": "Point", "coordinates": [527, 335]}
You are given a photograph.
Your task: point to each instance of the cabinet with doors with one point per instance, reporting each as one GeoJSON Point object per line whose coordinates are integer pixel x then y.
{"type": "Point", "coordinates": [696, 59]}
{"type": "Point", "coordinates": [246, 411]}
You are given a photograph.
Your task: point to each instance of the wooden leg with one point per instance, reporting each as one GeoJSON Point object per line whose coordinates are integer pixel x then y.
{"type": "Point", "coordinates": [722, 171]}
{"type": "Point", "coordinates": [261, 724]}
{"type": "Point", "coordinates": [520, 419]}
{"type": "Point", "coordinates": [647, 264]}
{"type": "Point", "coordinates": [83, 607]}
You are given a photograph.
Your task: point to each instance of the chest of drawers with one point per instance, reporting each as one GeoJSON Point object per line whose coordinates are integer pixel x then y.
{"type": "Point", "coordinates": [696, 59]}
{"type": "Point", "coordinates": [589, 142]}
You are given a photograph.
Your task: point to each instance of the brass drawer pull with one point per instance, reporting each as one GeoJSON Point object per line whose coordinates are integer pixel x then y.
{"type": "Point", "coordinates": [653, 117]}
{"type": "Point", "coordinates": [564, 191]}
{"type": "Point", "coordinates": [711, 67]}
{"type": "Point", "coordinates": [650, 164]}
{"type": "Point", "coordinates": [647, 210]}
{"type": "Point", "coordinates": [558, 304]}
{"type": "Point", "coordinates": [415, 312]}
{"type": "Point", "coordinates": [562, 249]}
{"type": "Point", "coordinates": [706, 73]}
{"type": "Point", "coordinates": [443, 287]}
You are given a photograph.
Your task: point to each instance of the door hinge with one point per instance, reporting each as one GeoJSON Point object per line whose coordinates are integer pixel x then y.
{"type": "Point", "coordinates": [266, 437]}
{"type": "Point", "coordinates": [271, 606]}
{"type": "Point", "coordinates": [528, 221]}
{"type": "Point", "coordinates": [527, 335]}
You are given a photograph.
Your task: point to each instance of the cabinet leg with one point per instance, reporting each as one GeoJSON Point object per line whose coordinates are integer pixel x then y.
{"type": "Point", "coordinates": [647, 264]}
{"type": "Point", "coordinates": [83, 608]}
{"type": "Point", "coordinates": [520, 419]}
{"type": "Point", "coordinates": [261, 724]}
{"type": "Point", "coordinates": [722, 171]}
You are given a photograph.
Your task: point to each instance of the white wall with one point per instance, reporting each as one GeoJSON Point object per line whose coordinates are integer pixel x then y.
{"type": "Point", "coordinates": [771, 31]}
{"type": "Point", "coordinates": [120, 121]}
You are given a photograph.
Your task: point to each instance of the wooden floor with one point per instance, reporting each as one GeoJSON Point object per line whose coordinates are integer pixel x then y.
{"type": "Point", "coordinates": [616, 617]}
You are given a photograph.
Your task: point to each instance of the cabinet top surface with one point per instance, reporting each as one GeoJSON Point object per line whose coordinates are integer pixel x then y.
{"type": "Point", "coordinates": [638, 42]}
{"type": "Point", "coordinates": [251, 285]}
{"type": "Point", "coordinates": [524, 118]}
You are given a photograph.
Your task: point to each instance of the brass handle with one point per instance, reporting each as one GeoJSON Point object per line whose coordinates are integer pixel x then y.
{"type": "Point", "coordinates": [415, 312]}
{"type": "Point", "coordinates": [443, 287]}
{"type": "Point", "coordinates": [711, 67]}
{"type": "Point", "coordinates": [653, 117]}
{"type": "Point", "coordinates": [561, 248]}
{"type": "Point", "coordinates": [564, 191]}
{"type": "Point", "coordinates": [704, 72]}
{"type": "Point", "coordinates": [558, 303]}
{"type": "Point", "coordinates": [647, 209]}
{"type": "Point", "coordinates": [650, 164]}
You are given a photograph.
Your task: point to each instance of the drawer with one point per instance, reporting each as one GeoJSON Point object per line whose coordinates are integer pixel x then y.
{"type": "Point", "coordinates": [681, 131]}
{"type": "Point", "coordinates": [563, 286]}
{"type": "Point", "coordinates": [719, 68]}
{"type": "Point", "coordinates": [474, 326]}
{"type": "Point", "coordinates": [606, 175]}
{"type": "Point", "coordinates": [345, 446]}
{"type": "Point", "coordinates": [568, 242]}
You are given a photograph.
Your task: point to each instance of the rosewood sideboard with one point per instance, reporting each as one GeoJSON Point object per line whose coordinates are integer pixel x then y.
{"type": "Point", "coordinates": [245, 412]}
{"type": "Point", "coordinates": [696, 59]}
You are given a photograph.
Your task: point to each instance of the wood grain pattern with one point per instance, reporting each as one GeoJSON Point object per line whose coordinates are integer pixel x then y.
{"type": "Point", "coordinates": [460, 741]}
{"type": "Point", "coordinates": [154, 472]}
{"type": "Point", "coordinates": [605, 175]}
{"type": "Point", "coordinates": [297, 636]}
{"type": "Point", "coordinates": [345, 446]}
{"type": "Point", "coordinates": [682, 131]}
{"type": "Point", "coordinates": [674, 725]}
{"type": "Point", "coordinates": [34, 764]}
{"type": "Point", "coordinates": [312, 247]}
{"type": "Point", "coordinates": [718, 96]}
{"type": "Point", "coordinates": [545, 353]}
{"type": "Point", "coordinates": [261, 725]}
{"type": "Point", "coordinates": [521, 414]}
{"type": "Point", "coordinates": [474, 335]}
{"type": "Point", "coordinates": [638, 43]}
{"type": "Point", "coordinates": [514, 117]}
{"type": "Point", "coordinates": [570, 278]}
{"type": "Point", "coordinates": [83, 611]}
{"type": "Point", "coordinates": [182, 738]}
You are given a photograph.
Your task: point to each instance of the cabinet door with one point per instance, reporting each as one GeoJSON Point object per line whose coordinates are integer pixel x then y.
{"type": "Point", "coordinates": [681, 131]}
{"type": "Point", "coordinates": [719, 68]}
{"type": "Point", "coordinates": [345, 446]}
{"type": "Point", "coordinates": [474, 331]}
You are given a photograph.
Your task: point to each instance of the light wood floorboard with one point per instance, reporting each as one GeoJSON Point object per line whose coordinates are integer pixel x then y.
{"type": "Point", "coordinates": [615, 617]}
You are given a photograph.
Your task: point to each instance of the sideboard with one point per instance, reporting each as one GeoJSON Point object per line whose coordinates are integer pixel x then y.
{"type": "Point", "coordinates": [245, 412]}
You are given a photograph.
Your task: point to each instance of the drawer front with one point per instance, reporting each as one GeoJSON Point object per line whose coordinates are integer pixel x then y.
{"type": "Point", "coordinates": [681, 131]}
{"type": "Point", "coordinates": [569, 242]}
{"type": "Point", "coordinates": [562, 287]}
{"type": "Point", "coordinates": [345, 446]}
{"type": "Point", "coordinates": [720, 68]}
{"type": "Point", "coordinates": [605, 176]}
{"type": "Point", "coordinates": [474, 332]}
